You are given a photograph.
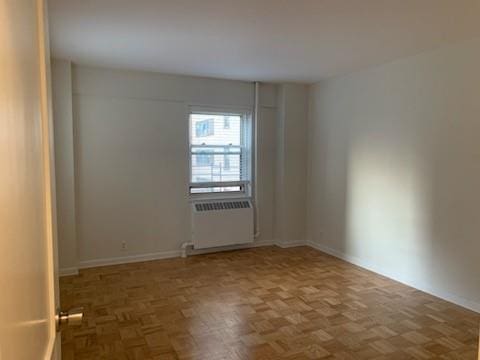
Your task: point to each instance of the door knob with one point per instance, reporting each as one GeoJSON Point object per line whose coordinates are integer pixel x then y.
{"type": "Point", "coordinates": [73, 317]}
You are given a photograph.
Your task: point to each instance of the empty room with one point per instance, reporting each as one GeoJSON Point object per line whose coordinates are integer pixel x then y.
{"type": "Point", "coordinates": [229, 180]}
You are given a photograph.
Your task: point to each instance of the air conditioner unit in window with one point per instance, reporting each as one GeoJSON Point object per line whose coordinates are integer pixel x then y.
{"type": "Point", "coordinates": [222, 223]}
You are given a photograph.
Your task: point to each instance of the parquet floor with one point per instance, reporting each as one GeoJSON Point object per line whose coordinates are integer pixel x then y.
{"type": "Point", "coordinates": [263, 303]}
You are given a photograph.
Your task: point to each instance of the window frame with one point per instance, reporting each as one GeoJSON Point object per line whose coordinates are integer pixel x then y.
{"type": "Point", "coordinates": [246, 134]}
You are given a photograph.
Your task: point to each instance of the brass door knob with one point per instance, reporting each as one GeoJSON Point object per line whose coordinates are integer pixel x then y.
{"type": "Point", "coordinates": [73, 317]}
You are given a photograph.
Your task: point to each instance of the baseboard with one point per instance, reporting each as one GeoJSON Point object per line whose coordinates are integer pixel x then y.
{"type": "Point", "coordinates": [444, 295]}
{"type": "Point", "coordinates": [229, 248]}
{"type": "Point", "coordinates": [129, 259]}
{"type": "Point", "coordinates": [290, 244]}
{"type": "Point", "coordinates": [161, 255]}
{"type": "Point", "coordinates": [68, 271]}
{"type": "Point", "coordinates": [262, 243]}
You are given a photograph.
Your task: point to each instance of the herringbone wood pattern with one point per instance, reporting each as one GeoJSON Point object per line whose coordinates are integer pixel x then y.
{"type": "Point", "coordinates": [263, 303]}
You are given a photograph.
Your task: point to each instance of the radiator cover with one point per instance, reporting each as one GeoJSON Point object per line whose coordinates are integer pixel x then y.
{"type": "Point", "coordinates": [222, 223]}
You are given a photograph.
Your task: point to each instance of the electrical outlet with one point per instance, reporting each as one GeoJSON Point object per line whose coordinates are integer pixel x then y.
{"type": "Point", "coordinates": [124, 245]}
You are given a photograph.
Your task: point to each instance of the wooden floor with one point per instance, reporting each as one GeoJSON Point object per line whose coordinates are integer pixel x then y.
{"type": "Point", "coordinates": [263, 303]}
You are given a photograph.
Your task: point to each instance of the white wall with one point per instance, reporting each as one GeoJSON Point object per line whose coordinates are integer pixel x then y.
{"type": "Point", "coordinates": [131, 158]}
{"type": "Point", "coordinates": [394, 170]}
{"type": "Point", "coordinates": [267, 153]}
{"type": "Point", "coordinates": [291, 165]}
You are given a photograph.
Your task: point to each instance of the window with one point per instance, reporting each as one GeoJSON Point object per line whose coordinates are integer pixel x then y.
{"type": "Point", "coordinates": [226, 122]}
{"type": "Point", "coordinates": [226, 161]}
{"type": "Point", "coordinates": [219, 152]}
{"type": "Point", "coordinates": [204, 159]}
{"type": "Point", "coordinates": [204, 128]}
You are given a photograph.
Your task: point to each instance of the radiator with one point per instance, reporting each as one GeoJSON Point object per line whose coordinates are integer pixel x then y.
{"type": "Point", "coordinates": [222, 223]}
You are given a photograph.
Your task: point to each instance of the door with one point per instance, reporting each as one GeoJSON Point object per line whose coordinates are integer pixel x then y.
{"type": "Point", "coordinates": [27, 261]}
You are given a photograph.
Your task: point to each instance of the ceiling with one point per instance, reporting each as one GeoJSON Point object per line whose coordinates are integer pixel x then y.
{"type": "Point", "coordinates": [265, 40]}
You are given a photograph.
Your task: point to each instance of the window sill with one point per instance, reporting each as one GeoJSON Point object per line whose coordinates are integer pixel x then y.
{"type": "Point", "coordinates": [218, 197]}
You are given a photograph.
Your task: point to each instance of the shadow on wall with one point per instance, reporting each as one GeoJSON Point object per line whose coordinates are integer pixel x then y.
{"type": "Point", "coordinates": [387, 215]}
{"type": "Point", "coordinates": [411, 202]}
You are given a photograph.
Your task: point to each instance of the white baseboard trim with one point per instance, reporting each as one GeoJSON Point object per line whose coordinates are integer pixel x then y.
{"type": "Point", "coordinates": [192, 252]}
{"type": "Point", "coordinates": [129, 259]}
{"type": "Point", "coordinates": [468, 304]}
{"type": "Point", "coordinates": [68, 271]}
{"type": "Point", "coordinates": [290, 244]}
{"type": "Point", "coordinates": [262, 243]}
{"type": "Point", "coordinates": [158, 255]}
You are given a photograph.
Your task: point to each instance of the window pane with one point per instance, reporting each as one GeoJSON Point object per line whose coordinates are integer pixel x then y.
{"type": "Point", "coordinates": [211, 167]}
{"type": "Point", "coordinates": [204, 128]}
{"type": "Point", "coordinates": [211, 129]}
{"type": "Point", "coordinates": [216, 150]}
